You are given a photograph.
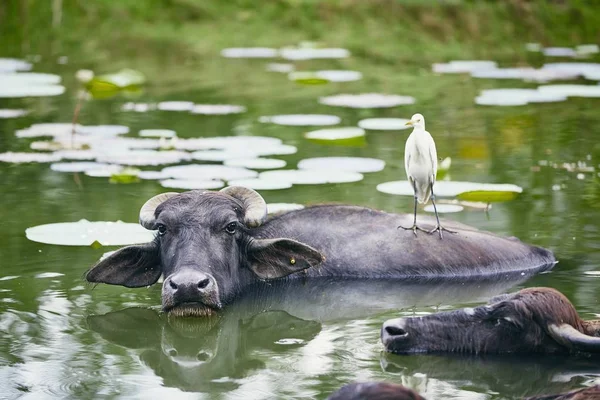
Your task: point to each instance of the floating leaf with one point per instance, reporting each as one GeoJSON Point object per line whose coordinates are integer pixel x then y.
{"type": "Point", "coordinates": [275, 208]}
{"type": "Point", "coordinates": [457, 67]}
{"type": "Point", "coordinates": [7, 113]}
{"type": "Point", "coordinates": [217, 109]}
{"type": "Point", "coordinates": [280, 67]}
{"type": "Point", "coordinates": [175, 105]}
{"type": "Point", "coordinates": [192, 184]}
{"type": "Point", "coordinates": [123, 79]}
{"type": "Point", "coordinates": [312, 177]}
{"type": "Point", "coordinates": [96, 245]}
{"type": "Point", "coordinates": [126, 175]}
{"type": "Point", "coordinates": [488, 196]}
{"type": "Point", "coordinates": [152, 175]}
{"type": "Point", "coordinates": [19, 158]}
{"type": "Point", "coordinates": [356, 164]}
{"type": "Point", "coordinates": [339, 75]}
{"type": "Point", "coordinates": [313, 53]}
{"type": "Point", "coordinates": [144, 157]}
{"type": "Point", "coordinates": [366, 100]}
{"type": "Point", "coordinates": [571, 90]}
{"type": "Point", "coordinates": [262, 184]}
{"type": "Point", "coordinates": [166, 133]}
{"type": "Point", "coordinates": [384, 124]}
{"type": "Point", "coordinates": [301, 119]}
{"type": "Point", "coordinates": [16, 91]}
{"type": "Point", "coordinates": [559, 52]}
{"type": "Point", "coordinates": [249, 52]}
{"type": "Point", "coordinates": [13, 64]}
{"type": "Point", "coordinates": [76, 166]}
{"type": "Point", "coordinates": [104, 172]}
{"type": "Point", "coordinates": [85, 233]}
{"type": "Point", "coordinates": [207, 172]}
{"type": "Point", "coordinates": [447, 188]}
{"type": "Point", "coordinates": [256, 163]}
{"type": "Point", "coordinates": [444, 208]}
{"type": "Point", "coordinates": [28, 78]}
{"type": "Point", "coordinates": [335, 134]}
{"type": "Point", "coordinates": [307, 78]}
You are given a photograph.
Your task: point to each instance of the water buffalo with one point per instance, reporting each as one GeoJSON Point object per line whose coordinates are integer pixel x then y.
{"type": "Point", "coordinates": [533, 320]}
{"type": "Point", "coordinates": [392, 391]}
{"type": "Point", "coordinates": [375, 391]}
{"type": "Point", "coordinates": [211, 245]}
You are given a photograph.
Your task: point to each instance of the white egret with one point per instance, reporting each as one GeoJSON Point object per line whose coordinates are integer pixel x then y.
{"type": "Point", "coordinates": [420, 162]}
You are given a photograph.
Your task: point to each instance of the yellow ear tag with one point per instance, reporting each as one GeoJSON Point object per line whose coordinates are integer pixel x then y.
{"type": "Point", "coordinates": [292, 261]}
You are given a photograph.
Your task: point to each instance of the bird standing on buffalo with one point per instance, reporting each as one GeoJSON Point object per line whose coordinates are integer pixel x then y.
{"type": "Point", "coordinates": [420, 163]}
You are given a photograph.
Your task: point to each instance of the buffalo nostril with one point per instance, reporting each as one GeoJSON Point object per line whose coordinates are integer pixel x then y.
{"type": "Point", "coordinates": [172, 352]}
{"type": "Point", "coordinates": [202, 356]}
{"type": "Point", "coordinates": [172, 284]}
{"type": "Point", "coordinates": [395, 331]}
{"type": "Point", "coordinates": [203, 283]}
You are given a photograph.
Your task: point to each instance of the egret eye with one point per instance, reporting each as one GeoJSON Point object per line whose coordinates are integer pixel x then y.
{"type": "Point", "coordinates": [230, 228]}
{"type": "Point", "coordinates": [161, 229]}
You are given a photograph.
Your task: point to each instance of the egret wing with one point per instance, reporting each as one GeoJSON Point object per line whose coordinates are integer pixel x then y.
{"type": "Point", "coordinates": [433, 156]}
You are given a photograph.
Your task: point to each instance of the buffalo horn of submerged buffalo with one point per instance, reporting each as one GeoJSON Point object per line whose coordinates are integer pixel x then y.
{"type": "Point", "coordinates": [255, 207]}
{"type": "Point", "coordinates": [147, 218]}
{"type": "Point", "coordinates": [571, 337]}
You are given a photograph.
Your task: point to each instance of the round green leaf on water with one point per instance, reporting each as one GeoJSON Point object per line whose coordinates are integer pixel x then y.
{"type": "Point", "coordinates": [85, 233]}
{"type": "Point", "coordinates": [488, 196]}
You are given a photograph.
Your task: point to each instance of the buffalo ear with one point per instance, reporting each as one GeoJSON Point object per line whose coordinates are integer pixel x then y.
{"type": "Point", "coordinates": [276, 258]}
{"type": "Point", "coordinates": [131, 266]}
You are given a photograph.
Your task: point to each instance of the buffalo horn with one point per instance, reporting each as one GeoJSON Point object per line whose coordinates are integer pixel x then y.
{"type": "Point", "coordinates": [147, 218]}
{"type": "Point", "coordinates": [255, 207]}
{"type": "Point", "coordinates": [571, 337]}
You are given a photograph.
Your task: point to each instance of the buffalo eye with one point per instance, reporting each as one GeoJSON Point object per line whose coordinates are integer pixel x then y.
{"type": "Point", "coordinates": [231, 227]}
{"type": "Point", "coordinates": [161, 229]}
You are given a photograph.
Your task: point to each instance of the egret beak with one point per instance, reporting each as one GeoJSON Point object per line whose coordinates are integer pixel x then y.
{"type": "Point", "coordinates": [409, 123]}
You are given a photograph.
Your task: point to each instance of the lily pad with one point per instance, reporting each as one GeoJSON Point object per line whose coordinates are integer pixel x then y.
{"type": "Point", "coordinates": [366, 100]}
{"type": "Point", "coordinates": [80, 155]}
{"type": "Point", "coordinates": [219, 155]}
{"type": "Point", "coordinates": [103, 130]}
{"type": "Point", "coordinates": [444, 208]}
{"type": "Point", "coordinates": [280, 67]}
{"type": "Point", "coordinates": [559, 52]}
{"type": "Point", "coordinates": [517, 97]}
{"type": "Point", "coordinates": [256, 163]}
{"type": "Point", "coordinates": [261, 184]}
{"type": "Point", "coordinates": [138, 107]}
{"type": "Point", "coordinates": [28, 78]}
{"type": "Point", "coordinates": [355, 164]}
{"type": "Point", "coordinates": [488, 196]}
{"type": "Point", "coordinates": [587, 49]}
{"type": "Point", "coordinates": [384, 124]}
{"type": "Point", "coordinates": [301, 119]}
{"type": "Point", "coordinates": [104, 172]}
{"type": "Point", "coordinates": [50, 129]}
{"type": "Point", "coordinates": [526, 74]}
{"type": "Point", "coordinates": [125, 176]}
{"type": "Point", "coordinates": [592, 273]}
{"type": "Point", "coordinates": [144, 157]}
{"type": "Point", "coordinates": [84, 233]}
{"type": "Point", "coordinates": [447, 188]}
{"type": "Point", "coordinates": [217, 109]}
{"type": "Point", "coordinates": [339, 75]}
{"type": "Point", "coordinates": [192, 184]}
{"type": "Point", "coordinates": [26, 90]}
{"type": "Point", "coordinates": [8, 113]}
{"type": "Point", "coordinates": [123, 79]}
{"type": "Point", "coordinates": [313, 53]}
{"type": "Point", "coordinates": [76, 166]}
{"type": "Point", "coordinates": [175, 105]}
{"type": "Point", "coordinates": [275, 208]}
{"type": "Point", "coordinates": [166, 133]}
{"type": "Point", "coordinates": [13, 64]}
{"type": "Point", "coordinates": [571, 90]}
{"type": "Point", "coordinates": [207, 172]}
{"type": "Point", "coordinates": [463, 66]}
{"type": "Point", "coordinates": [335, 133]}
{"type": "Point", "coordinates": [152, 175]}
{"type": "Point", "coordinates": [307, 78]}
{"type": "Point", "coordinates": [20, 158]}
{"type": "Point", "coordinates": [312, 177]}
{"type": "Point", "coordinates": [249, 52]}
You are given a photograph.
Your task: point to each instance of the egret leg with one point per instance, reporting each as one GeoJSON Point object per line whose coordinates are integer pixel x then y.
{"type": "Point", "coordinates": [439, 228]}
{"type": "Point", "coordinates": [414, 227]}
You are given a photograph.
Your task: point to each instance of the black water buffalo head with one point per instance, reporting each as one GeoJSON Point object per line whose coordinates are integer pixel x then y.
{"type": "Point", "coordinates": [534, 320]}
{"type": "Point", "coordinates": [375, 391]}
{"type": "Point", "coordinates": [208, 246]}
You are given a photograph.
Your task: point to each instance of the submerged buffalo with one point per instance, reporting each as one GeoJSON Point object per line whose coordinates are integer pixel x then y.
{"type": "Point", "coordinates": [533, 320]}
{"type": "Point", "coordinates": [211, 245]}
{"type": "Point", "coordinates": [392, 391]}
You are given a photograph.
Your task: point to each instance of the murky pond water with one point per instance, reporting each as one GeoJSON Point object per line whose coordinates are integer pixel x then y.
{"type": "Point", "coordinates": [60, 337]}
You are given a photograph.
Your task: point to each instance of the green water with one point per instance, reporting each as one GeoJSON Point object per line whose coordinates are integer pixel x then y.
{"type": "Point", "coordinates": [61, 338]}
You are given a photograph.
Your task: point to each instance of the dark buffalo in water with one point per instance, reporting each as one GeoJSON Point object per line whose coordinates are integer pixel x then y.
{"type": "Point", "coordinates": [211, 245]}
{"type": "Point", "coordinates": [533, 320]}
{"type": "Point", "coordinates": [392, 391]}
{"type": "Point", "coordinates": [375, 391]}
